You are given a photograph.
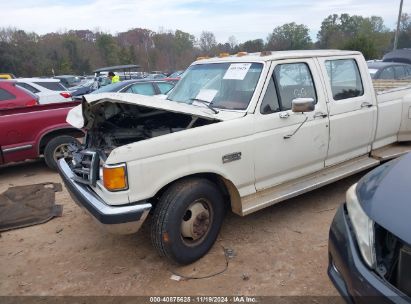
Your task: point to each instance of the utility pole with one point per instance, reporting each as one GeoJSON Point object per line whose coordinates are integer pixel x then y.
{"type": "Point", "coordinates": [397, 33]}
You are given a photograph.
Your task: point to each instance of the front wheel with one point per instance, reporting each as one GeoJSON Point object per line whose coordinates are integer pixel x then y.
{"type": "Point", "coordinates": [57, 148]}
{"type": "Point", "coordinates": [187, 220]}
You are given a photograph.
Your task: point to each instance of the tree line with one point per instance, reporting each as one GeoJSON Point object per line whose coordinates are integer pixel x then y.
{"type": "Point", "coordinates": [80, 51]}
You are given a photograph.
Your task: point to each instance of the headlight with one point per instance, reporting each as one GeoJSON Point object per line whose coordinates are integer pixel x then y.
{"type": "Point", "coordinates": [363, 227]}
{"type": "Point", "coordinates": [115, 177]}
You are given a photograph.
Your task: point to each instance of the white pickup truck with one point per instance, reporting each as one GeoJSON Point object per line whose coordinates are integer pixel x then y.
{"type": "Point", "coordinates": [244, 131]}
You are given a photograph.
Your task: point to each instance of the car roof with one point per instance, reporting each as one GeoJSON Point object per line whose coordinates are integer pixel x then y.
{"type": "Point", "coordinates": [380, 64]}
{"type": "Point", "coordinates": [399, 55]}
{"type": "Point", "coordinates": [7, 80]}
{"type": "Point", "coordinates": [128, 81]}
{"type": "Point", "coordinates": [34, 79]}
{"type": "Point", "coordinates": [117, 67]}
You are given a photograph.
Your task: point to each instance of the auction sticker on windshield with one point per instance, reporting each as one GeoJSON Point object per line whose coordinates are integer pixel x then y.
{"type": "Point", "coordinates": [206, 95]}
{"type": "Point", "coordinates": [237, 71]}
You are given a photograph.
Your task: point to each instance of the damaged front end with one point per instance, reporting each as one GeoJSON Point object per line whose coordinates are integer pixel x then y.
{"type": "Point", "coordinates": [112, 121]}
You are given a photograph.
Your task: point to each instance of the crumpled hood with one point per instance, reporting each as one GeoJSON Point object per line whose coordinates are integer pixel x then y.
{"type": "Point", "coordinates": [77, 116]}
{"type": "Point", "coordinates": [385, 196]}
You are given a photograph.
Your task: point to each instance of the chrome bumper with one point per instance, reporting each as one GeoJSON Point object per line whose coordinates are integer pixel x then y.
{"type": "Point", "coordinates": [125, 219]}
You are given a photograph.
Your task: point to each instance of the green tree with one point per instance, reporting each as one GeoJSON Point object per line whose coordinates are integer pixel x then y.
{"type": "Point", "coordinates": [404, 39]}
{"type": "Point", "coordinates": [251, 46]}
{"type": "Point", "coordinates": [368, 35]}
{"type": "Point", "coordinates": [108, 48]}
{"type": "Point", "coordinates": [290, 36]}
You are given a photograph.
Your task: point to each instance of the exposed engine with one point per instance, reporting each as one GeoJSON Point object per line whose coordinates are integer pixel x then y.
{"type": "Point", "coordinates": [117, 124]}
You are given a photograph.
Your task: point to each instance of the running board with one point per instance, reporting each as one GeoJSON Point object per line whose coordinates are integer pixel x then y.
{"type": "Point", "coordinates": [276, 194]}
{"type": "Point", "coordinates": [391, 151]}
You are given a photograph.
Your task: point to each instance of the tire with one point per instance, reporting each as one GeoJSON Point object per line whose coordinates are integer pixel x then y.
{"type": "Point", "coordinates": [175, 232]}
{"type": "Point", "coordinates": [51, 149]}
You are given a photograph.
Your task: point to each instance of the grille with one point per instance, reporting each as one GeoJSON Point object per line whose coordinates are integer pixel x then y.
{"type": "Point", "coordinates": [86, 167]}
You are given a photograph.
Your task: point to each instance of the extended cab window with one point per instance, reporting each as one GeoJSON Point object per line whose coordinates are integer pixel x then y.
{"type": "Point", "coordinates": [345, 78]}
{"type": "Point", "coordinates": [293, 81]}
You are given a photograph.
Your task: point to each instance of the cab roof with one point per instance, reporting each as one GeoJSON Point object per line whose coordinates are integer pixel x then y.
{"type": "Point", "coordinates": [276, 55]}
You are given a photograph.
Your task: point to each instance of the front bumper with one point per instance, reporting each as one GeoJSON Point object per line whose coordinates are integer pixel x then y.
{"type": "Point", "coordinates": [349, 274]}
{"type": "Point", "coordinates": [126, 219]}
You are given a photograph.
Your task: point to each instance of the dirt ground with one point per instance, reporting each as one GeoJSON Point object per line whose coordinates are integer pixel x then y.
{"type": "Point", "coordinates": [281, 250]}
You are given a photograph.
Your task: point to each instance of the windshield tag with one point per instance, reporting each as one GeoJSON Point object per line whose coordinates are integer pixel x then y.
{"type": "Point", "coordinates": [206, 95]}
{"type": "Point", "coordinates": [237, 71]}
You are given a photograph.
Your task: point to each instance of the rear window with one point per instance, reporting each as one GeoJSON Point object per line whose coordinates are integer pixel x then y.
{"type": "Point", "coordinates": [54, 86]}
{"type": "Point", "coordinates": [6, 95]}
{"type": "Point", "coordinates": [164, 87]}
{"type": "Point", "coordinates": [142, 89]}
{"type": "Point", "coordinates": [27, 87]}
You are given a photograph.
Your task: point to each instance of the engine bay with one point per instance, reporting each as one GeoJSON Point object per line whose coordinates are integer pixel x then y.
{"type": "Point", "coordinates": [117, 124]}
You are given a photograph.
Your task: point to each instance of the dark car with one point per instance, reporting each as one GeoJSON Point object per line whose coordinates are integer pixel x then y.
{"type": "Point", "coordinates": [138, 86]}
{"type": "Point", "coordinates": [370, 237]}
{"type": "Point", "coordinates": [86, 86]}
{"type": "Point", "coordinates": [13, 96]}
{"type": "Point", "coordinates": [401, 55]}
{"type": "Point", "coordinates": [389, 70]}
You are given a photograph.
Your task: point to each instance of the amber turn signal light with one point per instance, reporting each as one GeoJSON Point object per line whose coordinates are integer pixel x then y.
{"type": "Point", "coordinates": [115, 177]}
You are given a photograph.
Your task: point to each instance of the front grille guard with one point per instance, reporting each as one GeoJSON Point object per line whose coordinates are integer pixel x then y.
{"type": "Point", "coordinates": [86, 166]}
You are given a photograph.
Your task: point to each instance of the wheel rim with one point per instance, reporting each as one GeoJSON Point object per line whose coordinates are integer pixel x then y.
{"type": "Point", "coordinates": [62, 151]}
{"type": "Point", "coordinates": [196, 222]}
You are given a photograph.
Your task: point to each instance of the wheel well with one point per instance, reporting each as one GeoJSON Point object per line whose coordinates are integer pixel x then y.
{"type": "Point", "coordinates": [50, 135]}
{"type": "Point", "coordinates": [227, 188]}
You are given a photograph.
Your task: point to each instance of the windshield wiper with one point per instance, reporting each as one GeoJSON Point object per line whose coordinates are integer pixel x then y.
{"type": "Point", "coordinates": [205, 102]}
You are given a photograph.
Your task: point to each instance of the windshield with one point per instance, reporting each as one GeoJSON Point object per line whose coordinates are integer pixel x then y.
{"type": "Point", "coordinates": [223, 85]}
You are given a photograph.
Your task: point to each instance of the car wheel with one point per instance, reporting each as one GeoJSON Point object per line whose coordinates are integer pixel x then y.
{"type": "Point", "coordinates": [57, 148]}
{"type": "Point", "coordinates": [187, 220]}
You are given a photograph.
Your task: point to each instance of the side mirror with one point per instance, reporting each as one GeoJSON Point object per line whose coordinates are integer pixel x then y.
{"type": "Point", "coordinates": [303, 105]}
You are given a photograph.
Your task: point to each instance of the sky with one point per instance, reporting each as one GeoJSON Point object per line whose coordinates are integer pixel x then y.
{"type": "Point", "coordinates": [244, 19]}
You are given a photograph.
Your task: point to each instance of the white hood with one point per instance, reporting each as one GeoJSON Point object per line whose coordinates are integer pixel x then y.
{"type": "Point", "coordinates": [75, 116]}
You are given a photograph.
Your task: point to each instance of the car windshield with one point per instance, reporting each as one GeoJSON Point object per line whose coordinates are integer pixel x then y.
{"type": "Point", "coordinates": [223, 85]}
{"type": "Point", "coordinates": [113, 87]}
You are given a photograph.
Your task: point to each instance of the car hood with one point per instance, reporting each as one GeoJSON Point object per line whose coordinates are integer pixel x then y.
{"type": "Point", "coordinates": [77, 116]}
{"type": "Point", "coordinates": [385, 196]}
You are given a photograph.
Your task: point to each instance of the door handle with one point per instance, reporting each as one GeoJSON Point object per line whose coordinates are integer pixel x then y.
{"type": "Point", "coordinates": [366, 105]}
{"type": "Point", "coordinates": [284, 115]}
{"type": "Point", "coordinates": [320, 115]}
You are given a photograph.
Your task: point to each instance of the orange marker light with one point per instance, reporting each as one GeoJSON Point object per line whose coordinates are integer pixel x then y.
{"type": "Point", "coordinates": [114, 178]}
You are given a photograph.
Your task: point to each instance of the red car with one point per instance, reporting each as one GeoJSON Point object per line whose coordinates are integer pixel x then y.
{"type": "Point", "coordinates": [12, 96]}
{"type": "Point", "coordinates": [40, 130]}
